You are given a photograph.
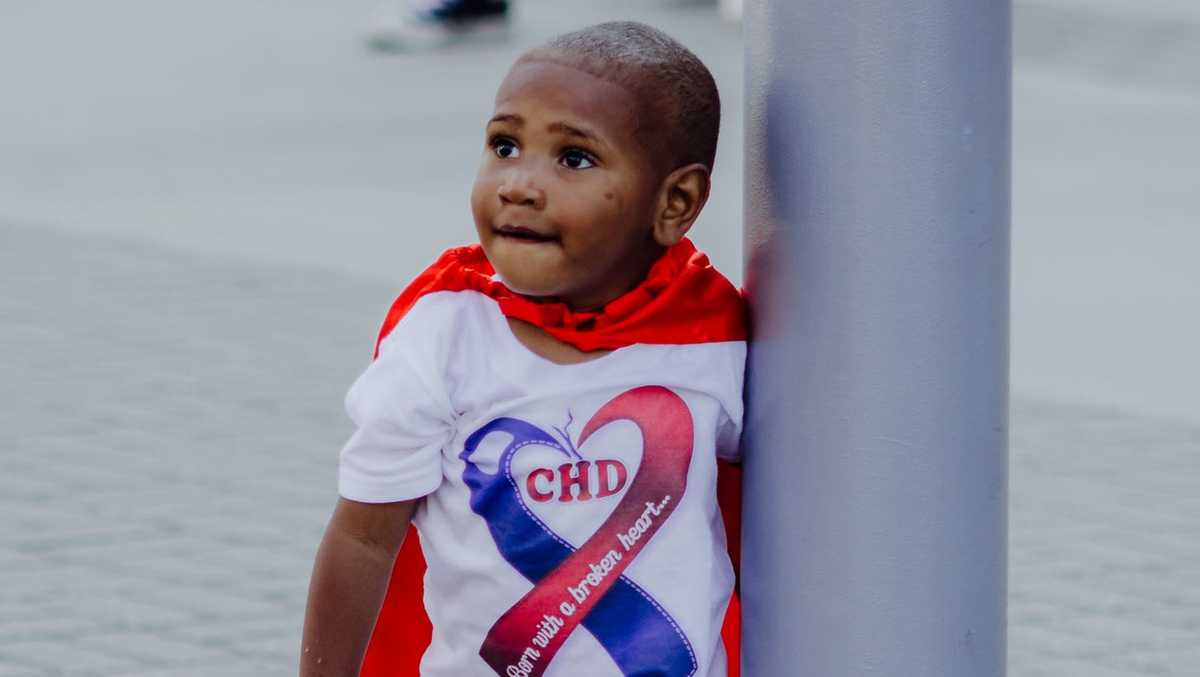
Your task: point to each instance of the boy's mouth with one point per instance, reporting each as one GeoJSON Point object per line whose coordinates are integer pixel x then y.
{"type": "Point", "coordinates": [523, 234]}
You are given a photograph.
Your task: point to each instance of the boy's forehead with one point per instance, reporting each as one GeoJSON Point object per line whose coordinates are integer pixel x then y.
{"type": "Point", "coordinates": [550, 88]}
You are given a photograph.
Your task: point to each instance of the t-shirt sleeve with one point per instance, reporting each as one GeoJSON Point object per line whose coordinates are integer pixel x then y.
{"type": "Point", "coordinates": [729, 427]}
{"type": "Point", "coordinates": [403, 418]}
{"type": "Point", "coordinates": [729, 436]}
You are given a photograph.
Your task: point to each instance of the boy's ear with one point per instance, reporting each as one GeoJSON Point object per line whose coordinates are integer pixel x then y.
{"type": "Point", "coordinates": [683, 195]}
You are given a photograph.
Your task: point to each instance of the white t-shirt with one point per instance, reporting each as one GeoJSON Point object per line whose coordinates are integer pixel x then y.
{"type": "Point", "coordinates": [570, 522]}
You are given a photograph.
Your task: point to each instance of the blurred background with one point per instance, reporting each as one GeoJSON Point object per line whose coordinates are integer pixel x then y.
{"type": "Point", "coordinates": [205, 210]}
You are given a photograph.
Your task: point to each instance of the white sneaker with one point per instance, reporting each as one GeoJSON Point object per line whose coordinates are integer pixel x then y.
{"type": "Point", "coordinates": [732, 10]}
{"type": "Point", "coordinates": [431, 24]}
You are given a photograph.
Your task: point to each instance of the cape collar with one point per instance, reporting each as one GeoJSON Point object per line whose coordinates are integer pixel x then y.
{"type": "Point", "coordinates": [682, 300]}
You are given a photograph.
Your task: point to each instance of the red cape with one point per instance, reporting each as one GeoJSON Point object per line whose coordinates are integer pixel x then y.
{"type": "Point", "coordinates": [682, 300]}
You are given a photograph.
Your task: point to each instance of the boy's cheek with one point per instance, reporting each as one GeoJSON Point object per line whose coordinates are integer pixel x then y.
{"type": "Point", "coordinates": [481, 207]}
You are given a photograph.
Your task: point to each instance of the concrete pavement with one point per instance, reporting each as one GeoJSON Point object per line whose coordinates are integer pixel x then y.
{"type": "Point", "coordinates": [170, 427]}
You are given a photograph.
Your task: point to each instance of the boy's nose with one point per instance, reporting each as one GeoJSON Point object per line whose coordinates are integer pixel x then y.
{"type": "Point", "coordinates": [519, 190]}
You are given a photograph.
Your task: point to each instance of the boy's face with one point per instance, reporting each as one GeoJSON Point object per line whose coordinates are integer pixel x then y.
{"type": "Point", "coordinates": [565, 195]}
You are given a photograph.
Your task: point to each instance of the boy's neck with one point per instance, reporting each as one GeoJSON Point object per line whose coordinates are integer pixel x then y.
{"type": "Point", "coordinates": [548, 347]}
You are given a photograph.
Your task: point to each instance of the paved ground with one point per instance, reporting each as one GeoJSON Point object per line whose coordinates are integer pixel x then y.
{"type": "Point", "coordinates": [169, 428]}
{"type": "Point", "coordinates": [204, 210]}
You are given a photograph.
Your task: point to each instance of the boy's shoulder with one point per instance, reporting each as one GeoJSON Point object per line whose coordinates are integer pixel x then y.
{"type": "Point", "coordinates": [437, 325]}
{"type": "Point", "coordinates": [430, 303]}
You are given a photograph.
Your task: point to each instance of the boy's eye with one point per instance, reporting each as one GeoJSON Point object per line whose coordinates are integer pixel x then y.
{"type": "Point", "coordinates": [505, 148]}
{"type": "Point", "coordinates": [573, 158]}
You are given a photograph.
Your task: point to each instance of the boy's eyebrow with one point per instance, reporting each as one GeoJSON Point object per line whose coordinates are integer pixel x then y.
{"type": "Point", "coordinates": [515, 120]}
{"type": "Point", "coordinates": [563, 127]}
{"type": "Point", "coordinates": [557, 127]}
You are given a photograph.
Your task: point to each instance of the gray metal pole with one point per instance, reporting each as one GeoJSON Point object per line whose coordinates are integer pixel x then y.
{"type": "Point", "coordinates": [877, 188]}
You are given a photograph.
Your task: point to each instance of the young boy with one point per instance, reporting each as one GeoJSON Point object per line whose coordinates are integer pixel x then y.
{"type": "Point", "coordinates": [548, 407]}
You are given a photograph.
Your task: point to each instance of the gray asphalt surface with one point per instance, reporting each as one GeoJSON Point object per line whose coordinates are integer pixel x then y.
{"type": "Point", "coordinates": [205, 209]}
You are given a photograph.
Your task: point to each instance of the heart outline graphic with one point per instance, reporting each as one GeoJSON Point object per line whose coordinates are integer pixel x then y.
{"type": "Point", "coordinates": [635, 631]}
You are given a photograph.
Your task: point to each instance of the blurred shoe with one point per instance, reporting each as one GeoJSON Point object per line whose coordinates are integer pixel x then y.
{"type": "Point", "coordinates": [732, 10]}
{"type": "Point", "coordinates": [429, 24]}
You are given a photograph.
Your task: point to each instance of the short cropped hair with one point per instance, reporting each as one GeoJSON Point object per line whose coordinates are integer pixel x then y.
{"type": "Point", "coordinates": [680, 107]}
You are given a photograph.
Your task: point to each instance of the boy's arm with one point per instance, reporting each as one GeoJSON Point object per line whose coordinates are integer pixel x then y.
{"type": "Point", "coordinates": [349, 581]}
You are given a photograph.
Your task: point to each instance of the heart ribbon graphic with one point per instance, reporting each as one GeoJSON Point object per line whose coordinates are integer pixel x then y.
{"type": "Point", "coordinates": [587, 585]}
